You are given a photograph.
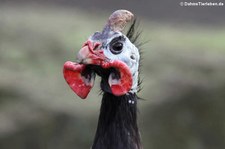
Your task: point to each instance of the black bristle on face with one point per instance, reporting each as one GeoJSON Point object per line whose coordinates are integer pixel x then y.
{"type": "Point", "coordinates": [133, 34]}
{"type": "Point", "coordinates": [117, 125]}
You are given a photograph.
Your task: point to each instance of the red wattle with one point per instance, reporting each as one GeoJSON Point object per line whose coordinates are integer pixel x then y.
{"type": "Point", "coordinates": [72, 74]}
{"type": "Point", "coordinates": [125, 83]}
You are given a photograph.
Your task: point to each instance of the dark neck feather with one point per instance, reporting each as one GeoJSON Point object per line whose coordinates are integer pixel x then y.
{"type": "Point", "coordinates": [117, 125]}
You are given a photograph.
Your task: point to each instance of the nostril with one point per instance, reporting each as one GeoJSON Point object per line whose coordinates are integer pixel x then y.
{"type": "Point", "coordinates": [96, 45]}
{"type": "Point", "coordinates": [92, 46]}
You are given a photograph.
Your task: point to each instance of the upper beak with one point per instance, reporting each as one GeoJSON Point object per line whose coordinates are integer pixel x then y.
{"type": "Point", "coordinates": [91, 53]}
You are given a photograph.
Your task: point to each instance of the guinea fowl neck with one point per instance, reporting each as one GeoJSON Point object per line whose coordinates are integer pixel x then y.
{"type": "Point", "coordinates": [117, 124]}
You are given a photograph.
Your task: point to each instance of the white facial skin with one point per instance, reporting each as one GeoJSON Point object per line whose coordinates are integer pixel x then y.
{"type": "Point", "coordinates": [129, 55]}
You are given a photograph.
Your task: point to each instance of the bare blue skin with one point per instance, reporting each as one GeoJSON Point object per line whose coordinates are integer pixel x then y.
{"type": "Point", "coordinates": [129, 55]}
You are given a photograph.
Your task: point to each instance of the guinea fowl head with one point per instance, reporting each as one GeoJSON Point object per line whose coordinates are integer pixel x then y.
{"type": "Point", "coordinates": [109, 54]}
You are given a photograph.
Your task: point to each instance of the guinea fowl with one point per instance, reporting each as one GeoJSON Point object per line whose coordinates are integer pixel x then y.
{"type": "Point", "coordinates": [114, 57]}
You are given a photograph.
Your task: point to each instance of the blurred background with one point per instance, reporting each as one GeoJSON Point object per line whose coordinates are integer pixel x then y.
{"type": "Point", "coordinates": [183, 73]}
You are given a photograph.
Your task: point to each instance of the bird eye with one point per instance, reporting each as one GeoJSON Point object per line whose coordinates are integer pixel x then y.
{"type": "Point", "coordinates": [116, 45]}
{"type": "Point", "coordinates": [116, 48]}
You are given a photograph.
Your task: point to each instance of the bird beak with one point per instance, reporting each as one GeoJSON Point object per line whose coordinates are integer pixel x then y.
{"type": "Point", "coordinates": [91, 54]}
{"type": "Point", "coordinates": [81, 80]}
{"type": "Point", "coordinates": [76, 75]}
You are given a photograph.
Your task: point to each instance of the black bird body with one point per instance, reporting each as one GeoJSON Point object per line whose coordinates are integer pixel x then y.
{"type": "Point", "coordinates": [117, 124]}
